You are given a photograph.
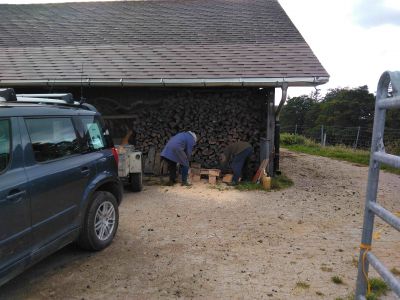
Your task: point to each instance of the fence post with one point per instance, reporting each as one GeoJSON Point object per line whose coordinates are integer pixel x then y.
{"type": "Point", "coordinates": [322, 135]}
{"type": "Point", "coordinates": [324, 140]}
{"type": "Point", "coordinates": [358, 135]}
{"type": "Point", "coordinates": [295, 130]}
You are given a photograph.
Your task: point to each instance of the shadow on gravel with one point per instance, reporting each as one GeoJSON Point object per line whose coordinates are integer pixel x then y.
{"type": "Point", "coordinates": [41, 270]}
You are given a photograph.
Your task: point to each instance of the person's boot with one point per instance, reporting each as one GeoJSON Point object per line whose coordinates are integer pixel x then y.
{"type": "Point", "coordinates": [186, 183]}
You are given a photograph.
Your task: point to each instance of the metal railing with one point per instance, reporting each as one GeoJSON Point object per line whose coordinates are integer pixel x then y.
{"type": "Point", "coordinates": [387, 97]}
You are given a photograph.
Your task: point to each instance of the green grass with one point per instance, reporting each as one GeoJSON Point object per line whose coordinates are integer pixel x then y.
{"type": "Point", "coordinates": [249, 186]}
{"type": "Point", "coordinates": [281, 182]}
{"type": "Point", "coordinates": [340, 153]}
{"type": "Point", "coordinates": [337, 280]}
{"type": "Point", "coordinates": [378, 288]}
{"type": "Point", "coordinates": [278, 182]}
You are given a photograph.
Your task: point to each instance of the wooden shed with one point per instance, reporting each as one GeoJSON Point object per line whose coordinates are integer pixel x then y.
{"type": "Point", "coordinates": [163, 66]}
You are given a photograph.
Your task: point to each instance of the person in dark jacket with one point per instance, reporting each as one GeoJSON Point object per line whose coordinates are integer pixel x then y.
{"type": "Point", "coordinates": [178, 151]}
{"type": "Point", "coordinates": [237, 156]}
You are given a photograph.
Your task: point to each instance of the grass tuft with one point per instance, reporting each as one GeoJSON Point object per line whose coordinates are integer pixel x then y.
{"type": "Point", "coordinates": [351, 297]}
{"type": "Point", "coordinates": [281, 182]}
{"type": "Point", "coordinates": [337, 280]}
{"type": "Point", "coordinates": [395, 271]}
{"type": "Point", "coordinates": [326, 269]}
{"type": "Point", "coordinates": [302, 285]}
{"type": "Point", "coordinates": [378, 288]}
{"type": "Point", "coordinates": [354, 262]}
{"type": "Point", "coordinates": [249, 186]}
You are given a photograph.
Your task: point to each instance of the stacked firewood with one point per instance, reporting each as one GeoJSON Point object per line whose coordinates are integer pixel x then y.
{"type": "Point", "coordinates": [218, 117]}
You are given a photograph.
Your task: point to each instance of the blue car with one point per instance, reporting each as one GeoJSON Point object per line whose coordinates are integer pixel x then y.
{"type": "Point", "coordinates": [58, 179]}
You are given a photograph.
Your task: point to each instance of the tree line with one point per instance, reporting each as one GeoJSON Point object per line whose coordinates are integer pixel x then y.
{"type": "Point", "coordinates": [336, 112]}
{"type": "Point", "coordinates": [340, 107]}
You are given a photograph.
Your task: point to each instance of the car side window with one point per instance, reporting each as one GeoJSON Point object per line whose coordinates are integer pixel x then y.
{"type": "Point", "coordinates": [52, 138]}
{"type": "Point", "coordinates": [94, 134]}
{"type": "Point", "coordinates": [5, 144]}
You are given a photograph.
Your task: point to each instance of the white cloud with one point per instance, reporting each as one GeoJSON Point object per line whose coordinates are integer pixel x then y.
{"type": "Point", "coordinates": [370, 13]}
{"type": "Point", "coordinates": [353, 55]}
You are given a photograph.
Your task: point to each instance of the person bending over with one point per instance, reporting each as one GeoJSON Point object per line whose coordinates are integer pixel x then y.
{"type": "Point", "coordinates": [178, 150]}
{"type": "Point", "coordinates": [237, 156]}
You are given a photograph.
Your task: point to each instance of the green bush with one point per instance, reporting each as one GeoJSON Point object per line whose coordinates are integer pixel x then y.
{"type": "Point", "coordinates": [292, 139]}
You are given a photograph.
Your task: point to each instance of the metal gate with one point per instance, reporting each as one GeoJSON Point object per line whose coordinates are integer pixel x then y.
{"type": "Point", "coordinates": [387, 97]}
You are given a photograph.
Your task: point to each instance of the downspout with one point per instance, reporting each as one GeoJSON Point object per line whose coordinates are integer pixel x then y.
{"type": "Point", "coordinates": [277, 139]}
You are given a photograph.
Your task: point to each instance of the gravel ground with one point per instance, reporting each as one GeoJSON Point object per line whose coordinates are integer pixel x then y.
{"type": "Point", "coordinates": [202, 242]}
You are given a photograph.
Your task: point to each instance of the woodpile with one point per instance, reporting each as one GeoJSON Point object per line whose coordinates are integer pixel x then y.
{"type": "Point", "coordinates": [218, 117]}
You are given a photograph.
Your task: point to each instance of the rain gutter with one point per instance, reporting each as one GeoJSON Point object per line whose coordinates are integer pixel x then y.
{"type": "Point", "coordinates": [206, 82]}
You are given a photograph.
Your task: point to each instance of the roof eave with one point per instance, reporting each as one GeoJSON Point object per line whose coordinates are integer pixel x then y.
{"type": "Point", "coordinates": [206, 82]}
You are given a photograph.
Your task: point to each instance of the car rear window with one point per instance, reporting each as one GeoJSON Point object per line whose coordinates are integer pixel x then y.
{"type": "Point", "coordinates": [5, 144]}
{"type": "Point", "coordinates": [96, 137]}
{"type": "Point", "coordinates": [52, 138]}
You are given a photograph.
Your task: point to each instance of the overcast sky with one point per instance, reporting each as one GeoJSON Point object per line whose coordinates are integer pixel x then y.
{"type": "Point", "coordinates": [355, 40]}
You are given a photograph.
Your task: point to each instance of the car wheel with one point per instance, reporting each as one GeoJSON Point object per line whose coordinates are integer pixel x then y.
{"type": "Point", "coordinates": [101, 222]}
{"type": "Point", "coordinates": [136, 182]}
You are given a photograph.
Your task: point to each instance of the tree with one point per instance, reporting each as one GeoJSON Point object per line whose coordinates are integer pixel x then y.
{"type": "Point", "coordinates": [295, 110]}
{"type": "Point", "coordinates": [393, 118]}
{"type": "Point", "coordinates": [347, 108]}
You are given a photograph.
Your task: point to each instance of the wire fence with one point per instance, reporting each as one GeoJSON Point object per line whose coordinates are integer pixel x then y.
{"type": "Point", "coordinates": [356, 137]}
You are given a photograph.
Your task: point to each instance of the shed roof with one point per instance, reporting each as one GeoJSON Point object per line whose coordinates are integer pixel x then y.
{"type": "Point", "coordinates": [220, 42]}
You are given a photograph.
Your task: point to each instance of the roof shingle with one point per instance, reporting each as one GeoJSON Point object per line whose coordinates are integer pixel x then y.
{"type": "Point", "coordinates": [164, 39]}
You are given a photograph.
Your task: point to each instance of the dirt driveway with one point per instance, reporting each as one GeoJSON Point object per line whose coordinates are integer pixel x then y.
{"type": "Point", "coordinates": [204, 243]}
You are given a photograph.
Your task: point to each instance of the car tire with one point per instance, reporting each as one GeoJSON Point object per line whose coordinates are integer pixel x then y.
{"type": "Point", "coordinates": [136, 182]}
{"type": "Point", "coordinates": [101, 222]}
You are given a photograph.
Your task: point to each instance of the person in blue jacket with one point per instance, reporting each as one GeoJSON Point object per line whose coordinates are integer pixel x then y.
{"type": "Point", "coordinates": [178, 151]}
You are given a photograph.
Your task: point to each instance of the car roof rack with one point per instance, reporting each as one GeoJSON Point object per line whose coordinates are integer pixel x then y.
{"type": "Point", "coordinates": [67, 99]}
{"type": "Point", "coordinates": [26, 98]}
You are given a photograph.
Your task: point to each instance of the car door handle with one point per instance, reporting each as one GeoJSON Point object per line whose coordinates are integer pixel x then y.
{"type": "Point", "coordinates": [85, 171]}
{"type": "Point", "coordinates": [15, 196]}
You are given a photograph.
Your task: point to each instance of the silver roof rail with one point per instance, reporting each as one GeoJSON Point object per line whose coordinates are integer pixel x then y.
{"type": "Point", "coordinates": [28, 99]}
{"type": "Point", "coordinates": [67, 97]}
{"type": "Point", "coordinates": [8, 95]}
